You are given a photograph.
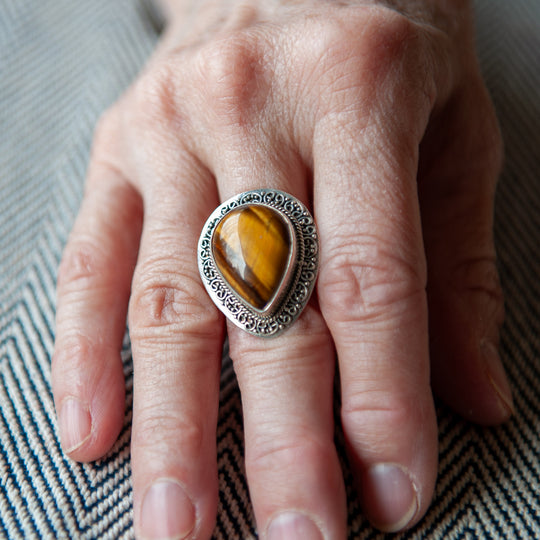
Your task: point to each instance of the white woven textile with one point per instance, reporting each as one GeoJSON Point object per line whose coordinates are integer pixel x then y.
{"type": "Point", "coordinates": [61, 64]}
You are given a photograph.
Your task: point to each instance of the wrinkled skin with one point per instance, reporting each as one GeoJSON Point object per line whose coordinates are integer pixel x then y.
{"type": "Point", "coordinates": [375, 116]}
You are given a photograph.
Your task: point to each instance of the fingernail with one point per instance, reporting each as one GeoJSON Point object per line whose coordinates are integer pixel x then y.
{"type": "Point", "coordinates": [390, 497]}
{"type": "Point", "coordinates": [497, 377]}
{"type": "Point", "coordinates": [167, 512]}
{"type": "Point", "coordinates": [292, 526]}
{"type": "Point", "coordinates": [75, 424]}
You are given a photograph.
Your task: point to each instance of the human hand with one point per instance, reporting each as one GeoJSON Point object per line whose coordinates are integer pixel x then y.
{"type": "Point", "coordinates": [376, 117]}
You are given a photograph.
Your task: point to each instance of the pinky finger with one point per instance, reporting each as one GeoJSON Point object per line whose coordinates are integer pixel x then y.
{"type": "Point", "coordinates": [93, 293]}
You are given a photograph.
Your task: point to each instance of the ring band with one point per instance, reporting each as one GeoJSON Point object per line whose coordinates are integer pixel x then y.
{"type": "Point", "coordinates": [258, 257]}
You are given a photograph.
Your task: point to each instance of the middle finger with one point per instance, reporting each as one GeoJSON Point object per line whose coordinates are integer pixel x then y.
{"type": "Point", "coordinates": [294, 475]}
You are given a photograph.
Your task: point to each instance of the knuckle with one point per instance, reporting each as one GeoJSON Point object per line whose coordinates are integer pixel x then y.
{"type": "Point", "coordinates": [160, 430]}
{"type": "Point", "coordinates": [478, 274]}
{"type": "Point", "coordinates": [76, 364]}
{"type": "Point", "coordinates": [267, 453]}
{"type": "Point", "coordinates": [374, 415]}
{"type": "Point", "coordinates": [388, 35]}
{"type": "Point", "coordinates": [171, 305]}
{"type": "Point", "coordinates": [232, 74]}
{"type": "Point", "coordinates": [368, 282]}
{"type": "Point", "coordinates": [71, 352]}
{"type": "Point", "coordinates": [384, 33]}
{"type": "Point", "coordinates": [155, 99]}
{"type": "Point", "coordinates": [384, 63]}
{"type": "Point", "coordinates": [479, 277]}
{"type": "Point", "coordinates": [82, 264]}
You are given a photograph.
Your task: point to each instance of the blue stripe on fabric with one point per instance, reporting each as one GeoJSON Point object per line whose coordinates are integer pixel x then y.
{"type": "Point", "coordinates": [10, 474]}
{"type": "Point", "coordinates": [21, 468]}
{"type": "Point", "coordinates": [103, 466]}
{"type": "Point", "coordinates": [31, 449]}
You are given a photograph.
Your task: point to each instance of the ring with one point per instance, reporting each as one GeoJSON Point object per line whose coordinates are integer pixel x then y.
{"type": "Point", "coordinates": [258, 257]}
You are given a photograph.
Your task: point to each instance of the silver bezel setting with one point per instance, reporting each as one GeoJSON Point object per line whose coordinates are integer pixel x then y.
{"type": "Point", "coordinates": [299, 277]}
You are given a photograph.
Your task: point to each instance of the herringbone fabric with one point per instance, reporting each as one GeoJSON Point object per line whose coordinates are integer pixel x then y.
{"type": "Point", "coordinates": [61, 64]}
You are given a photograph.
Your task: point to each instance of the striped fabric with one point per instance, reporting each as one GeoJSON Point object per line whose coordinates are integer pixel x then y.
{"type": "Point", "coordinates": [63, 62]}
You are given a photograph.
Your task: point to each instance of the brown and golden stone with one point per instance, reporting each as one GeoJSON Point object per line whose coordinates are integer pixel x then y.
{"type": "Point", "coordinates": [251, 247]}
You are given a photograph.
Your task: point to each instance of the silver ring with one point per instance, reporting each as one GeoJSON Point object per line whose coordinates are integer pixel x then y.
{"type": "Point", "coordinates": [258, 258]}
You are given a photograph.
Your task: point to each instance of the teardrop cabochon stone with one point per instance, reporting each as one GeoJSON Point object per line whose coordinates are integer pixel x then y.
{"type": "Point", "coordinates": [254, 247]}
{"type": "Point", "coordinates": [258, 256]}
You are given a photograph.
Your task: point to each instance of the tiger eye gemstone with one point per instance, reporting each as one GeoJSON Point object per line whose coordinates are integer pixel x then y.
{"type": "Point", "coordinates": [251, 247]}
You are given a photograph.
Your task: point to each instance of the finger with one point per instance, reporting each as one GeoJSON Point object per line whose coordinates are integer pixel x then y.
{"type": "Point", "coordinates": [372, 278]}
{"type": "Point", "coordinates": [465, 301]}
{"type": "Point", "coordinates": [294, 474]}
{"type": "Point", "coordinates": [93, 290]}
{"type": "Point", "coordinates": [371, 291]}
{"type": "Point", "coordinates": [295, 480]}
{"type": "Point", "coordinates": [176, 337]}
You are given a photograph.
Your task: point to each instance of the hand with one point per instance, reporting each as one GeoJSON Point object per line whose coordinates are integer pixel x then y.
{"type": "Point", "coordinates": [374, 116]}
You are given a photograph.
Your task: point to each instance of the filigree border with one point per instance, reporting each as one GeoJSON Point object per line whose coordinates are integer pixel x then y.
{"type": "Point", "coordinates": [303, 277]}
